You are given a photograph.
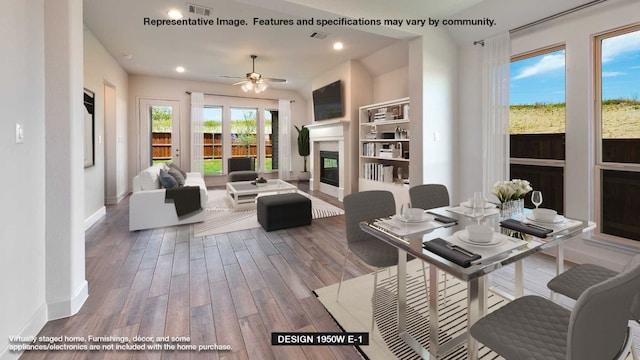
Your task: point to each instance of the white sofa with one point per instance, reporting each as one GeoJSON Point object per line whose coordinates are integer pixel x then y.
{"type": "Point", "coordinates": [147, 208]}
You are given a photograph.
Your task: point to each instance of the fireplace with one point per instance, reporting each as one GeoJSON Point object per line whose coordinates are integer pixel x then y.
{"type": "Point", "coordinates": [329, 168]}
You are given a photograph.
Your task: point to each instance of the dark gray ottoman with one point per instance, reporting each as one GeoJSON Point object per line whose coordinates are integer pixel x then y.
{"type": "Point", "coordinates": [283, 211]}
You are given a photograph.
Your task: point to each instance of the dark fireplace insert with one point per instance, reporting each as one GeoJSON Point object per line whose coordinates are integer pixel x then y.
{"type": "Point", "coordinates": [329, 169]}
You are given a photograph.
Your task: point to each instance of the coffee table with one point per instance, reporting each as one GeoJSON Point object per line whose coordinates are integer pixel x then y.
{"type": "Point", "coordinates": [245, 192]}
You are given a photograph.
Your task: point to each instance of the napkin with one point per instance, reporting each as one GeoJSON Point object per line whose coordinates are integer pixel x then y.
{"type": "Point", "coordinates": [531, 229]}
{"type": "Point", "coordinates": [451, 252]}
{"type": "Point", "coordinates": [442, 218]}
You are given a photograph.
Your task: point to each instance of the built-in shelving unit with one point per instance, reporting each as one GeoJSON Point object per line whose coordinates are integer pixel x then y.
{"type": "Point", "coordinates": [384, 139]}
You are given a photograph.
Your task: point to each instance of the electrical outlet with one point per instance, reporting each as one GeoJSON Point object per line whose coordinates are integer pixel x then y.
{"type": "Point", "coordinates": [19, 134]}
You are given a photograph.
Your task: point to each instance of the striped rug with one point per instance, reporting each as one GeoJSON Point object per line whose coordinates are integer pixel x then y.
{"type": "Point", "coordinates": [222, 218]}
{"type": "Point", "coordinates": [353, 312]}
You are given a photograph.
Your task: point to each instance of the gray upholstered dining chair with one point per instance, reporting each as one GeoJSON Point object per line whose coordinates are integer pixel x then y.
{"type": "Point", "coordinates": [597, 328]}
{"type": "Point", "coordinates": [573, 282]}
{"type": "Point", "coordinates": [431, 196]}
{"type": "Point", "coordinates": [362, 206]}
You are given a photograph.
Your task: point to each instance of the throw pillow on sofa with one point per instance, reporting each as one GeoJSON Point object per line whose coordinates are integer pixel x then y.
{"type": "Point", "coordinates": [167, 181]}
{"type": "Point", "coordinates": [177, 175]}
{"type": "Point", "coordinates": [149, 177]}
{"type": "Point", "coordinates": [173, 165]}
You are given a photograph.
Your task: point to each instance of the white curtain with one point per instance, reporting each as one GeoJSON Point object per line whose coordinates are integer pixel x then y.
{"type": "Point", "coordinates": [197, 132]}
{"type": "Point", "coordinates": [496, 59]}
{"type": "Point", "coordinates": [284, 139]}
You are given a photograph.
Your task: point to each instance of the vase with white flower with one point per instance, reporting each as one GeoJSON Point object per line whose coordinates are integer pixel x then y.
{"type": "Point", "coordinates": [511, 194]}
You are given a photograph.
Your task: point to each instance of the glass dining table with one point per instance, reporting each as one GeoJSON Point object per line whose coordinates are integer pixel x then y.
{"type": "Point", "coordinates": [446, 229]}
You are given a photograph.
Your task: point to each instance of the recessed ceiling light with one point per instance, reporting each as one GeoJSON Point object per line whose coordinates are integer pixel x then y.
{"type": "Point", "coordinates": [180, 69]}
{"type": "Point", "coordinates": [175, 14]}
{"type": "Point", "coordinates": [338, 45]}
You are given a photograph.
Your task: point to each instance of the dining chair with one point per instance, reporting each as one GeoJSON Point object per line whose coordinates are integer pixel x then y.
{"type": "Point", "coordinates": [573, 282]}
{"type": "Point", "coordinates": [362, 206]}
{"type": "Point", "coordinates": [597, 328]}
{"type": "Point", "coordinates": [431, 196]}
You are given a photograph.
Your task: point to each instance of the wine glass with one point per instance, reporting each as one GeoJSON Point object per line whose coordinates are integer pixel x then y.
{"type": "Point", "coordinates": [536, 198]}
{"type": "Point", "coordinates": [399, 171]}
{"type": "Point", "coordinates": [405, 211]}
{"type": "Point", "coordinates": [477, 206]}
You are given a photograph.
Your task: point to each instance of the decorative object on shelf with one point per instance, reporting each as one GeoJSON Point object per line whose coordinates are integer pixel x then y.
{"type": "Point", "coordinates": [303, 150]}
{"type": "Point", "coordinates": [405, 112]}
{"type": "Point", "coordinates": [511, 196]}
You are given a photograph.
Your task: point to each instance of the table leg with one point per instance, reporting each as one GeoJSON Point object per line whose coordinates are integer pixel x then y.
{"type": "Point", "coordinates": [476, 309]}
{"type": "Point", "coordinates": [559, 269]}
{"type": "Point", "coordinates": [433, 310]}
{"type": "Point", "coordinates": [518, 292]}
{"type": "Point", "coordinates": [402, 308]}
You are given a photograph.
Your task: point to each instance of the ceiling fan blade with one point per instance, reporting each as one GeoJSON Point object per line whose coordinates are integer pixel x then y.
{"type": "Point", "coordinates": [241, 82]}
{"type": "Point", "coordinates": [232, 77]}
{"type": "Point", "coordinates": [274, 80]}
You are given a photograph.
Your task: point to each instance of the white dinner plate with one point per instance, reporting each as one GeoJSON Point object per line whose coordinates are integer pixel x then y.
{"type": "Point", "coordinates": [487, 205]}
{"type": "Point", "coordinates": [559, 219]}
{"type": "Point", "coordinates": [464, 237]}
{"type": "Point", "coordinates": [425, 217]}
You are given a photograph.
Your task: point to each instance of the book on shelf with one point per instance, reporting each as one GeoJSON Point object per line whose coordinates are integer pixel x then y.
{"type": "Point", "coordinates": [378, 172]}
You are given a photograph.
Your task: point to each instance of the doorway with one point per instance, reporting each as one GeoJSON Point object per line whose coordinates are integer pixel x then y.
{"type": "Point", "coordinates": [159, 132]}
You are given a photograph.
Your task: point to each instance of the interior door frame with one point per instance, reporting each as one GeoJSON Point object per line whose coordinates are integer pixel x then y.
{"type": "Point", "coordinates": [144, 133]}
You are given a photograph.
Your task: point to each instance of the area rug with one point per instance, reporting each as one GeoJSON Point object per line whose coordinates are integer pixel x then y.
{"type": "Point", "coordinates": [221, 217]}
{"type": "Point", "coordinates": [353, 312]}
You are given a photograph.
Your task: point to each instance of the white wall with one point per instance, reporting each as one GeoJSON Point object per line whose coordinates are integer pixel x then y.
{"type": "Point", "coordinates": [576, 31]}
{"type": "Point", "coordinates": [105, 182]}
{"type": "Point", "coordinates": [175, 89]}
{"type": "Point", "coordinates": [22, 259]}
{"type": "Point", "coordinates": [391, 85]}
{"type": "Point", "coordinates": [433, 101]}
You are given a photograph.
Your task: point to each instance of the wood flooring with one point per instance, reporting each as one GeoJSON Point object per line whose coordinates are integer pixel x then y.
{"type": "Point", "coordinates": [232, 289]}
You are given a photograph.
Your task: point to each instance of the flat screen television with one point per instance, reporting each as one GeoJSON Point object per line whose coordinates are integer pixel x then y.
{"type": "Point", "coordinates": [327, 101]}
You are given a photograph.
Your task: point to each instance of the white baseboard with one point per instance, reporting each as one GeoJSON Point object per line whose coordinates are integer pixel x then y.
{"type": "Point", "coordinates": [69, 307]}
{"type": "Point", "coordinates": [113, 200]}
{"type": "Point", "coordinates": [95, 217]}
{"type": "Point", "coordinates": [31, 328]}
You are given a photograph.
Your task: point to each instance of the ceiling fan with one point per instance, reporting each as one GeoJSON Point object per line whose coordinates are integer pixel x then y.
{"type": "Point", "coordinates": [253, 80]}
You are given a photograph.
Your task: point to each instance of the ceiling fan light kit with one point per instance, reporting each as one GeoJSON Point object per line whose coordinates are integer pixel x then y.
{"type": "Point", "coordinates": [254, 81]}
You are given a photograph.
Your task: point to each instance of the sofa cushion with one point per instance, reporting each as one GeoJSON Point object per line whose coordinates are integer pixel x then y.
{"type": "Point", "coordinates": [177, 175]}
{"type": "Point", "coordinates": [149, 177]}
{"type": "Point", "coordinates": [167, 181]}
{"type": "Point", "coordinates": [174, 166]}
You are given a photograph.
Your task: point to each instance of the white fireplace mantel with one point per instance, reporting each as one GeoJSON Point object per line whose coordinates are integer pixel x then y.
{"type": "Point", "coordinates": [334, 134]}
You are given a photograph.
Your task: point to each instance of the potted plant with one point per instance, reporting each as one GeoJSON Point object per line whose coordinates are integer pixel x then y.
{"type": "Point", "coordinates": [303, 150]}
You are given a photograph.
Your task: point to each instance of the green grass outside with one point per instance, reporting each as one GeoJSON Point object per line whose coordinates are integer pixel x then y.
{"type": "Point", "coordinates": [214, 166]}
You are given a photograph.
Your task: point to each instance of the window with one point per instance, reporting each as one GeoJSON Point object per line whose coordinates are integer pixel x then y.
{"type": "Point", "coordinates": [537, 123]}
{"type": "Point", "coordinates": [617, 79]}
{"type": "Point", "coordinates": [240, 127]}
{"type": "Point", "coordinates": [244, 132]}
{"type": "Point", "coordinates": [212, 140]}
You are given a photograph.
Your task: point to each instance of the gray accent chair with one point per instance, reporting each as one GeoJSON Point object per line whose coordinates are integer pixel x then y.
{"type": "Point", "coordinates": [241, 169]}
{"type": "Point", "coordinates": [429, 196]}
{"type": "Point", "coordinates": [362, 206]}
{"type": "Point", "coordinates": [597, 328]}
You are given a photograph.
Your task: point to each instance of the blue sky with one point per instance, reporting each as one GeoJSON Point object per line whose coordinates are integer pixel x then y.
{"type": "Point", "coordinates": [541, 79]}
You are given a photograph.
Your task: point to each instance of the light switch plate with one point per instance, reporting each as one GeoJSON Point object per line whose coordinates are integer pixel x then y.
{"type": "Point", "coordinates": [19, 134]}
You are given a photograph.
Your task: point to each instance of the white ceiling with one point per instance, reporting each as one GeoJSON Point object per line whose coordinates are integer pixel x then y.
{"type": "Point", "coordinates": [207, 52]}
